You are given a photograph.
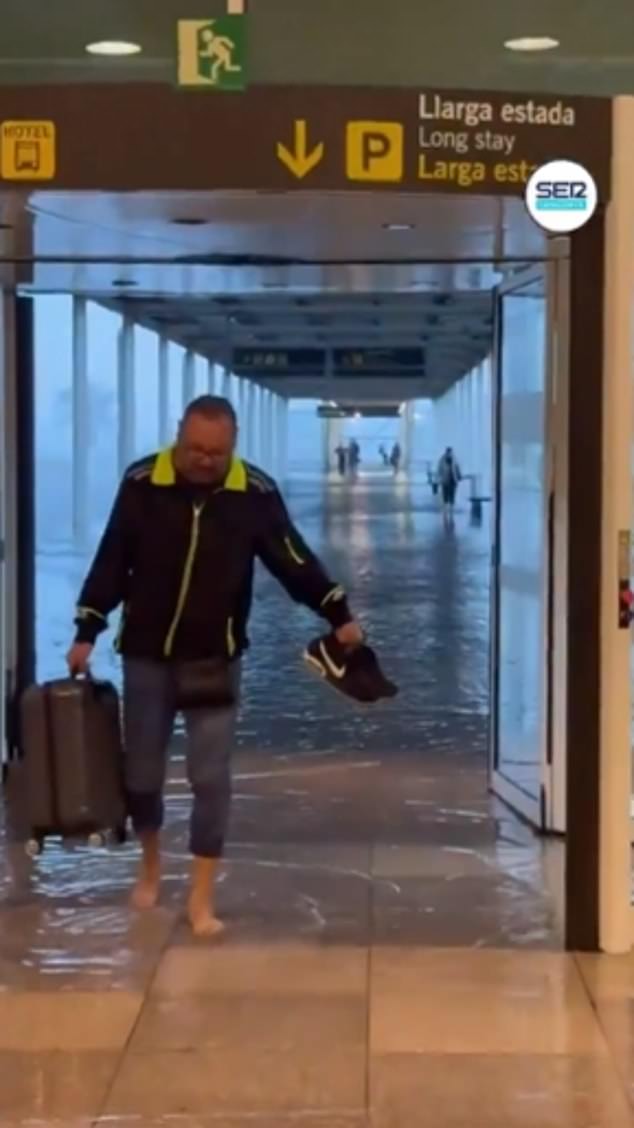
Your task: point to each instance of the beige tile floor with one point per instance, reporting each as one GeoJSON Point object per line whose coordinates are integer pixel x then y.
{"type": "Point", "coordinates": [397, 976]}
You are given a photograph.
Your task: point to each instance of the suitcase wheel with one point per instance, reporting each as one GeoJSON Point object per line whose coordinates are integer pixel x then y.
{"type": "Point", "coordinates": [34, 846]}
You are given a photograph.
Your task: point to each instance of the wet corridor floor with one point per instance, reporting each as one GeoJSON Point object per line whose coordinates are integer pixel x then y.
{"type": "Point", "coordinates": [392, 954]}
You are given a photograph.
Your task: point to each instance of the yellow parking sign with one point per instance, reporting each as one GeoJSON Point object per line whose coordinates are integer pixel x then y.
{"type": "Point", "coordinates": [375, 150]}
{"type": "Point", "coordinates": [27, 150]}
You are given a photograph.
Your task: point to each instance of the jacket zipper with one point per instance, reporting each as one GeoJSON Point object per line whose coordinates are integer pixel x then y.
{"type": "Point", "coordinates": [186, 580]}
{"type": "Point", "coordinates": [231, 639]}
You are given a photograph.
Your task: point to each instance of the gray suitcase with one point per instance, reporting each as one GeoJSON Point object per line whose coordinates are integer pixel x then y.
{"type": "Point", "coordinates": [71, 740]}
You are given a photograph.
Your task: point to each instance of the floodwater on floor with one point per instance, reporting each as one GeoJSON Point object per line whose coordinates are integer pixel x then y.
{"type": "Point", "coordinates": [392, 955]}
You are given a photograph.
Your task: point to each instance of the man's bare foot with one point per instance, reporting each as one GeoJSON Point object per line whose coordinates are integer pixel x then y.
{"type": "Point", "coordinates": [202, 920]}
{"type": "Point", "coordinates": [146, 891]}
{"type": "Point", "coordinates": [200, 912]}
{"type": "Point", "coordinates": [145, 894]}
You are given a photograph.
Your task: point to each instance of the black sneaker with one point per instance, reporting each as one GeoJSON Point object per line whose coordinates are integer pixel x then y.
{"type": "Point", "coordinates": [354, 671]}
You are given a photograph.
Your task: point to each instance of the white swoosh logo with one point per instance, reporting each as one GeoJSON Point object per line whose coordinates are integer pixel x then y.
{"type": "Point", "coordinates": [336, 671]}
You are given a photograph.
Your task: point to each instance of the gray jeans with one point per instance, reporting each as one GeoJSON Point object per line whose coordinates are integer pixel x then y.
{"type": "Point", "coordinates": [149, 714]}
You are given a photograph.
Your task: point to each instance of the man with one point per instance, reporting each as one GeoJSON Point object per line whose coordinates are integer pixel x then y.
{"type": "Point", "coordinates": [449, 477]}
{"type": "Point", "coordinates": [178, 552]}
{"type": "Point", "coordinates": [342, 456]}
{"type": "Point", "coordinates": [354, 455]}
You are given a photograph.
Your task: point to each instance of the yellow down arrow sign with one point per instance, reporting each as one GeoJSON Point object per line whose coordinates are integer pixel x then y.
{"type": "Point", "coordinates": [300, 160]}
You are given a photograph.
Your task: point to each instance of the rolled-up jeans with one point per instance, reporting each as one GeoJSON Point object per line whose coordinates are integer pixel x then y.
{"type": "Point", "coordinates": [149, 711]}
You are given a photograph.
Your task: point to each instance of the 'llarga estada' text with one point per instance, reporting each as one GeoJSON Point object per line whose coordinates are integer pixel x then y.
{"type": "Point", "coordinates": [435, 107]}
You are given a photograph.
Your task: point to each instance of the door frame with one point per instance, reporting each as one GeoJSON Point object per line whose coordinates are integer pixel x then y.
{"type": "Point", "coordinates": [559, 313]}
{"type": "Point", "coordinates": [547, 812]}
{"type": "Point", "coordinates": [8, 522]}
{"type": "Point", "coordinates": [4, 744]}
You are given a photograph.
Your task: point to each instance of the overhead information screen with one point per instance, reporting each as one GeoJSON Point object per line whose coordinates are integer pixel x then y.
{"type": "Point", "coordinates": [379, 362]}
{"type": "Point", "coordinates": [366, 411]}
{"type": "Point", "coordinates": [279, 362]}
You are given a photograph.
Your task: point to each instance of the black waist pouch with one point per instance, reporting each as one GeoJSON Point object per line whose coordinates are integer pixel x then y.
{"type": "Point", "coordinates": [204, 684]}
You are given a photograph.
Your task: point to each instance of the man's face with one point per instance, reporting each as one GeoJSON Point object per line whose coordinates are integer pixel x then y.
{"type": "Point", "coordinates": [204, 449]}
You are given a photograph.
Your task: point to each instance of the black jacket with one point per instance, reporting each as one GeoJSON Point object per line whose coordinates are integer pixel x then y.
{"type": "Point", "coordinates": [181, 562]}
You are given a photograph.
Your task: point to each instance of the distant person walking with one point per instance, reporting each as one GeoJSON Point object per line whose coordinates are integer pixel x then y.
{"type": "Point", "coordinates": [354, 455]}
{"type": "Point", "coordinates": [342, 458]}
{"type": "Point", "coordinates": [395, 458]}
{"type": "Point", "coordinates": [449, 476]}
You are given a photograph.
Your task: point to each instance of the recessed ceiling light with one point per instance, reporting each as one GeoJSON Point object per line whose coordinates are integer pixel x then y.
{"type": "Point", "coordinates": [532, 43]}
{"type": "Point", "coordinates": [399, 226]}
{"type": "Point", "coordinates": [113, 47]}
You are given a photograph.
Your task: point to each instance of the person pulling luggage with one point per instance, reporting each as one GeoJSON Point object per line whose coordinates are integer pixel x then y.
{"type": "Point", "coordinates": [395, 458]}
{"type": "Point", "coordinates": [178, 553]}
{"type": "Point", "coordinates": [449, 475]}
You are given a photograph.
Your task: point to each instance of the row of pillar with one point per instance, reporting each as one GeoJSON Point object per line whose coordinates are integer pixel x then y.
{"type": "Point", "coordinates": [262, 414]}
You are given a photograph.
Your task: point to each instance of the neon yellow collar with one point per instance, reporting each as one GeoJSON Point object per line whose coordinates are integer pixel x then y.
{"type": "Point", "coordinates": [163, 473]}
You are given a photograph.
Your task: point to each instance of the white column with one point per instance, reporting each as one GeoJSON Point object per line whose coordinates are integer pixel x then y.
{"type": "Point", "coordinates": [255, 423]}
{"type": "Point", "coordinates": [326, 452]}
{"type": "Point", "coordinates": [478, 434]}
{"type": "Point", "coordinates": [618, 334]}
{"type": "Point", "coordinates": [263, 436]}
{"type": "Point", "coordinates": [487, 425]}
{"type": "Point", "coordinates": [165, 437]}
{"type": "Point", "coordinates": [462, 391]}
{"type": "Point", "coordinates": [274, 439]}
{"type": "Point", "coordinates": [282, 436]}
{"type": "Point", "coordinates": [82, 430]}
{"type": "Point", "coordinates": [126, 396]}
{"type": "Point", "coordinates": [272, 434]}
{"type": "Point", "coordinates": [405, 437]}
{"type": "Point", "coordinates": [235, 392]}
{"type": "Point", "coordinates": [243, 410]}
{"type": "Point", "coordinates": [211, 378]}
{"type": "Point", "coordinates": [189, 378]}
{"type": "Point", "coordinates": [251, 422]}
{"type": "Point", "coordinates": [225, 383]}
{"type": "Point", "coordinates": [334, 437]}
{"type": "Point", "coordinates": [265, 430]}
{"type": "Point", "coordinates": [476, 438]}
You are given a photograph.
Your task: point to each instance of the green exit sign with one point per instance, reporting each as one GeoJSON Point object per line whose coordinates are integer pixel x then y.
{"type": "Point", "coordinates": [212, 53]}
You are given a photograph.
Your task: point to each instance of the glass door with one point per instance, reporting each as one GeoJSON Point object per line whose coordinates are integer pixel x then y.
{"type": "Point", "coordinates": [4, 432]}
{"type": "Point", "coordinates": [522, 534]}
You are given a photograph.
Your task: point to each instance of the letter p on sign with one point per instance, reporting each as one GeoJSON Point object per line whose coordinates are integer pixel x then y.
{"type": "Point", "coordinates": [374, 150]}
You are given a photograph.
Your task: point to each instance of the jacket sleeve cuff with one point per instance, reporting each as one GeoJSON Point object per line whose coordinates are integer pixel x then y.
{"type": "Point", "coordinates": [88, 631]}
{"type": "Point", "coordinates": [337, 612]}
